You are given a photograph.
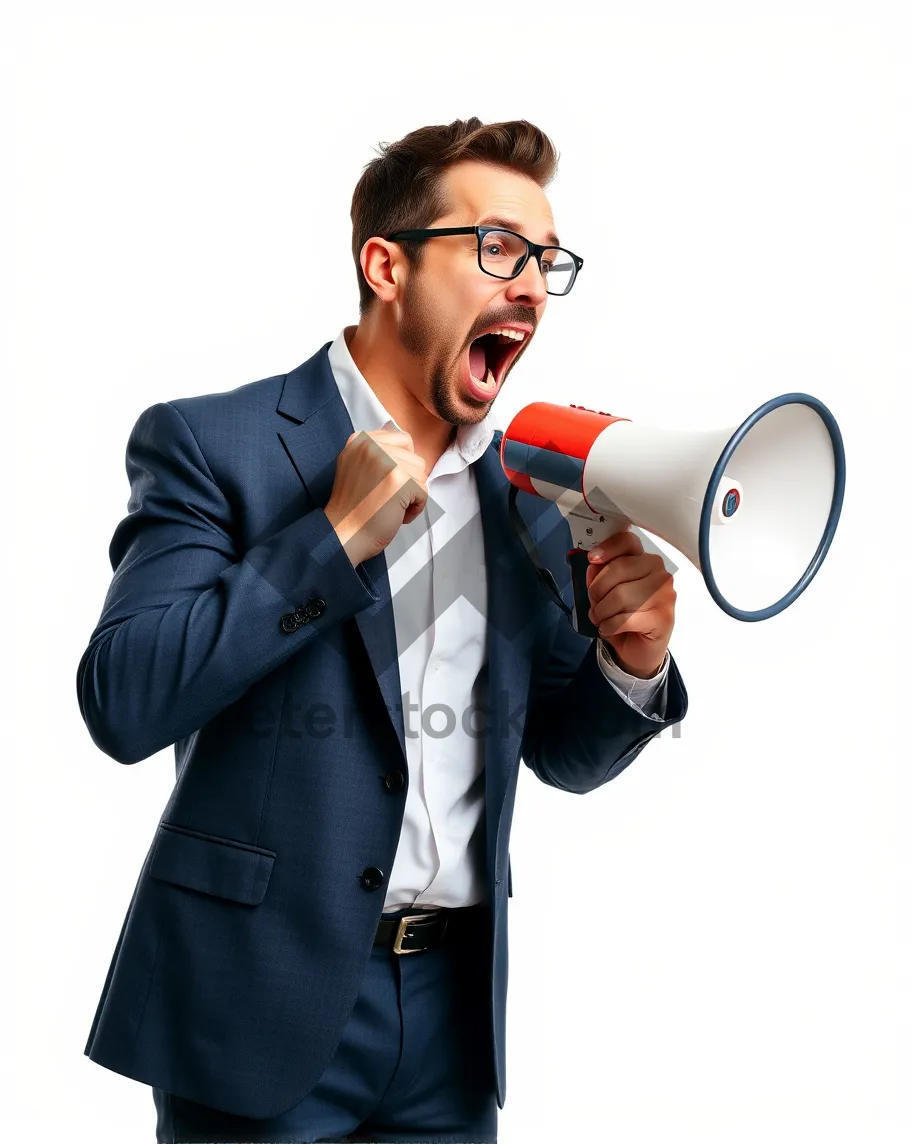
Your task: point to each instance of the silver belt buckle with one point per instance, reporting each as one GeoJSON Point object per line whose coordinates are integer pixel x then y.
{"type": "Point", "coordinates": [400, 932]}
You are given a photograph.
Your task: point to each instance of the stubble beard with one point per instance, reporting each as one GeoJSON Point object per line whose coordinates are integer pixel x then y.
{"type": "Point", "coordinates": [418, 330]}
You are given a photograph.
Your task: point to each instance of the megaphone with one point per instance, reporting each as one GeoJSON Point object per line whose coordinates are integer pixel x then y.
{"type": "Point", "coordinates": [754, 506]}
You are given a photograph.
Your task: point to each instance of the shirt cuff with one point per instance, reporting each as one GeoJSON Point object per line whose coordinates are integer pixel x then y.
{"type": "Point", "coordinates": [645, 695]}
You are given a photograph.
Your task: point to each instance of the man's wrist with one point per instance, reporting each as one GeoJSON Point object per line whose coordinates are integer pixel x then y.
{"type": "Point", "coordinates": [348, 534]}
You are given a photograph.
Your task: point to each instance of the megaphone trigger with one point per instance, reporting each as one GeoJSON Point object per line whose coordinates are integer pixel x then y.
{"type": "Point", "coordinates": [578, 559]}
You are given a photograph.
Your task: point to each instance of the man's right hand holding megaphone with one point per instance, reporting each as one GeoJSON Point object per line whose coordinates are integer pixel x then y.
{"type": "Point", "coordinates": [631, 602]}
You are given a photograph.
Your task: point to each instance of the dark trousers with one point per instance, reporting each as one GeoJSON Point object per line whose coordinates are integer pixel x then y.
{"type": "Point", "coordinates": [415, 1061]}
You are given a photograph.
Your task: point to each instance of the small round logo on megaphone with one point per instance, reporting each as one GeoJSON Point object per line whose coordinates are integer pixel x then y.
{"type": "Point", "coordinates": [731, 502]}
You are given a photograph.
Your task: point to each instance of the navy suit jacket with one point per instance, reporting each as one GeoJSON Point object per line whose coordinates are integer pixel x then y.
{"type": "Point", "coordinates": [248, 932]}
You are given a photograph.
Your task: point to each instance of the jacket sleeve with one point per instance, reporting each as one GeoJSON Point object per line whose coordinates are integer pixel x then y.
{"type": "Point", "coordinates": [580, 732]}
{"type": "Point", "coordinates": [189, 623]}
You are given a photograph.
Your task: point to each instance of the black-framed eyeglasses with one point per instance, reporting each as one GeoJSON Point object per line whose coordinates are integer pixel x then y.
{"type": "Point", "coordinates": [504, 253]}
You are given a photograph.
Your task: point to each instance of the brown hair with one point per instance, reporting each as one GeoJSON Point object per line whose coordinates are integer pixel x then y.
{"type": "Point", "coordinates": [402, 190]}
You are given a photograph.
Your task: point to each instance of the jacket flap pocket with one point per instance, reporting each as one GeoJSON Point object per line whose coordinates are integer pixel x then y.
{"type": "Point", "coordinates": [211, 864]}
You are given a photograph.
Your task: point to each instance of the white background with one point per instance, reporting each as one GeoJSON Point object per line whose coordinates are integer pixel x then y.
{"type": "Point", "coordinates": [709, 948]}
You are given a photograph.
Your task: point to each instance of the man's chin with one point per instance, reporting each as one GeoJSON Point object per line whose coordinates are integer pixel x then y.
{"type": "Point", "coordinates": [460, 409]}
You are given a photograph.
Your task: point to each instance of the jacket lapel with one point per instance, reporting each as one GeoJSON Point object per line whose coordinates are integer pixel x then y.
{"type": "Point", "coordinates": [310, 395]}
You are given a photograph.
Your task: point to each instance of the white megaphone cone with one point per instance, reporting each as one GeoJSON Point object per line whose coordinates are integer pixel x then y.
{"type": "Point", "coordinates": [753, 506]}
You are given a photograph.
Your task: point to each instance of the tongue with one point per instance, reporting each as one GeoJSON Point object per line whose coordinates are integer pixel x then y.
{"type": "Point", "coordinates": [477, 359]}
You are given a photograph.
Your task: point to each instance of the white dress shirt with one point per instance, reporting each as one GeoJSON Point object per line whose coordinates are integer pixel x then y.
{"type": "Point", "coordinates": [440, 857]}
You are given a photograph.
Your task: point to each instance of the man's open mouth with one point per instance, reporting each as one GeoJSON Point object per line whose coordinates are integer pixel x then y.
{"type": "Point", "coordinates": [491, 354]}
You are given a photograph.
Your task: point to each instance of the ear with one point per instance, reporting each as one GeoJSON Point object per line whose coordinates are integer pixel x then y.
{"type": "Point", "coordinates": [382, 265]}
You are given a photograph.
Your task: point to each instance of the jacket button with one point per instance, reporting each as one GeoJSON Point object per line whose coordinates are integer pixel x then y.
{"type": "Point", "coordinates": [394, 781]}
{"type": "Point", "coordinates": [315, 608]}
{"type": "Point", "coordinates": [372, 878]}
{"type": "Point", "coordinates": [300, 614]}
{"type": "Point", "coordinates": [290, 622]}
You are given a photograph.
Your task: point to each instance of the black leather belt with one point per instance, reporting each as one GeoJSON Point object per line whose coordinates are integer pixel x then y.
{"type": "Point", "coordinates": [423, 929]}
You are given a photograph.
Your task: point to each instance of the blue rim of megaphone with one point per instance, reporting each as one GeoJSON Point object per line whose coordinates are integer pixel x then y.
{"type": "Point", "coordinates": [832, 520]}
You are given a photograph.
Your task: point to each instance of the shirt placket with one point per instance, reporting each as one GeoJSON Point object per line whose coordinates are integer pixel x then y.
{"type": "Point", "coordinates": [435, 712]}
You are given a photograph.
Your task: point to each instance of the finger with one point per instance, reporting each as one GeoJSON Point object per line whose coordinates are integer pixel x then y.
{"type": "Point", "coordinates": [392, 444]}
{"type": "Point", "coordinates": [397, 470]}
{"type": "Point", "coordinates": [648, 593]}
{"type": "Point", "coordinates": [641, 623]}
{"type": "Point", "coordinates": [601, 579]}
{"type": "Point", "coordinates": [410, 463]}
{"type": "Point", "coordinates": [624, 542]}
{"type": "Point", "coordinates": [399, 439]}
{"type": "Point", "coordinates": [395, 449]}
{"type": "Point", "coordinates": [413, 489]}
{"type": "Point", "coordinates": [417, 473]}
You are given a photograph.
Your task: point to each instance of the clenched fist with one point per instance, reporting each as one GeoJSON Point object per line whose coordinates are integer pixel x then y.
{"type": "Point", "coordinates": [380, 484]}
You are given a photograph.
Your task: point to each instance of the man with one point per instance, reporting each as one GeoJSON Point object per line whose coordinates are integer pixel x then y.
{"type": "Point", "coordinates": [316, 948]}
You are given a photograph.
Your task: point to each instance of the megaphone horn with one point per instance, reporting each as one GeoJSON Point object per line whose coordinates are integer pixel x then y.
{"type": "Point", "coordinates": [754, 507]}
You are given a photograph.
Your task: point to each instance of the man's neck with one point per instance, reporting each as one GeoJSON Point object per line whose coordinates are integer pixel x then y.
{"type": "Point", "coordinates": [381, 367]}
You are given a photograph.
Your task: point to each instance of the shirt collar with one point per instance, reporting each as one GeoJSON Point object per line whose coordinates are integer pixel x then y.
{"type": "Point", "coordinates": [367, 412]}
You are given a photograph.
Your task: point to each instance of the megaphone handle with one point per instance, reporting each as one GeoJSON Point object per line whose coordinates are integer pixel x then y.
{"type": "Point", "coordinates": [578, 559]}
{"type": "Point", "coordinates": [587, 531]}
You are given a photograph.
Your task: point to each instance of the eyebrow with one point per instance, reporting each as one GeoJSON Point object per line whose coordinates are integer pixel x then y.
{"type": "Point", "coordinates": [551, 238]}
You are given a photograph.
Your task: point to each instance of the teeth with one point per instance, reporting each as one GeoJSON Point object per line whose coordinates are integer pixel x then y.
{"type": "Point", "coordinates": [513, 335]}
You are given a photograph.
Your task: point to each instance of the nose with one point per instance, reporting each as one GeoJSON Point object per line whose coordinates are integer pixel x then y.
{"type": "Point", "coordinates": [529, 285]}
